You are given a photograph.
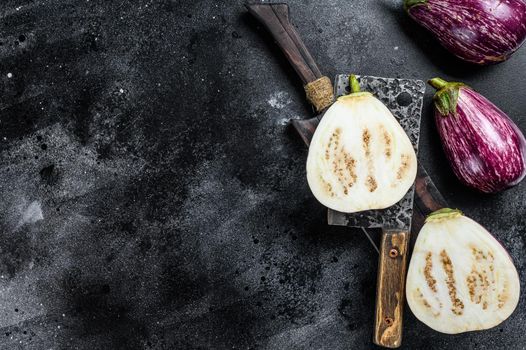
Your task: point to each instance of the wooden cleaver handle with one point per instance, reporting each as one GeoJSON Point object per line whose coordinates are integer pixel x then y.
{"type": "Point", "coordinates": [275, 17]}
{"type": "Point", "coordinates": [390, 287]}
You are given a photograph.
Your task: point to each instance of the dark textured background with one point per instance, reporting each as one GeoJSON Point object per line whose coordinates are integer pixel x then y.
{"type": "Point", "coordinates": [152, 195]}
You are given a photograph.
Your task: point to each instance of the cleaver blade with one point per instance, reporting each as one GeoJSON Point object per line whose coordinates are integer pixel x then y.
{"type": "Point", "coordinates": [404, 98]}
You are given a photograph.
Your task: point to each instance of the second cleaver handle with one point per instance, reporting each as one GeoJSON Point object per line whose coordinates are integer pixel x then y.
{"type": "Point", "coordinates": [390, 288]}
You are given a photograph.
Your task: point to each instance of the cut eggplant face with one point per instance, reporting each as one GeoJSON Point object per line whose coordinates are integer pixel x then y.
{"type": "Point", "coordinates": [460, 278]}
{"type": "Point", "coordinates": [360, 158]}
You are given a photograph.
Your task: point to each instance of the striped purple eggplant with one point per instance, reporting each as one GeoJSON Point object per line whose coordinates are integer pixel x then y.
{"type": "Point", "coordinates": [478, 31]}
{"type": "Point", "coordinates": [486, 150]}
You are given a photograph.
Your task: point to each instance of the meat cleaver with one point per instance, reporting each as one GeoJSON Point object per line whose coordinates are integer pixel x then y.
{"type": "Point", "coordinates": [404, 98]}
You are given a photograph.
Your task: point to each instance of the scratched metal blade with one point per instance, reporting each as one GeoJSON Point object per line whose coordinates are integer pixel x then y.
{"type": "Point", "coordinates": [404, 99]}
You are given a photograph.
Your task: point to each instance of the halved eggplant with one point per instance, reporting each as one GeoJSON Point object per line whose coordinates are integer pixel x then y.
{"type": "Point", "coordinates": [460, 278]}
{"type": "Point", "coordinates": [360, 158]}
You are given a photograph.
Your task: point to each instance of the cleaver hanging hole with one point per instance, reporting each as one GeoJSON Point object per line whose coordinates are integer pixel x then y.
{"type": "Point", "coordinates": [404, 99]}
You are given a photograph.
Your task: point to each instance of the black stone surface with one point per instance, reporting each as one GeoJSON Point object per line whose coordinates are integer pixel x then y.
{"type": "Point", "coordinates": [153, 197]}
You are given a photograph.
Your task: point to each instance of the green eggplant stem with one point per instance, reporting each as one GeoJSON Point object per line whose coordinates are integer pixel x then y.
{"type": "Point", "coordinates": [444, 213]}
{"type": "Point", "coordinates": [446, 97]}
{"type": "Point", "coordinates": [410, 3]}
{"type": "Point", "coordinates": [355, 90]}
{"type": "Point", "coordinates": [438, 83]}
{"type": "Point", "coordinates": [354, 84]}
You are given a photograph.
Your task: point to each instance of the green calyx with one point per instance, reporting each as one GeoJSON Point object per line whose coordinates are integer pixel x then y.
{"type": "Point", "coordinates": [410, 3]}
{"type": "Point", "coordinates": [354, 95]}
{"type": "Point", "coordinates": [354, 84]}
{"type": "Point", "coordinates": [446, 97]}
{"type": "Point", "coordinates": [355, 90]}
{"type": "Point", "coordinates": [443, 214]}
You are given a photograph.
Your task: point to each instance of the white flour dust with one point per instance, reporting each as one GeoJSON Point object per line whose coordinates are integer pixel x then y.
{"type": "Point", "coordinates": [279, 100]}
{"type": "Point", "coordinates": [30, 214]}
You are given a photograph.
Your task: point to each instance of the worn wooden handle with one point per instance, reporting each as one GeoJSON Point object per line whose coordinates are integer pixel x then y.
{"type": "Point", "coordinates": [275, 17]}
{"type": "Point", "coordinates": [390, 288]}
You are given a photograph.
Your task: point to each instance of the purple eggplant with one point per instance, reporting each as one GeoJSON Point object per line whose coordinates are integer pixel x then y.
{"type": "Point", "coordinates": [478, 31]}
{"type": "Point", "coordinates": [486, 150]}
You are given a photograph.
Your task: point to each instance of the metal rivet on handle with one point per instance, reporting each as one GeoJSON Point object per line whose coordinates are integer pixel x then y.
{"type": "Point", "coordinates": [388, 321]}
{"type": "Point", "coordinates": [393, 253]}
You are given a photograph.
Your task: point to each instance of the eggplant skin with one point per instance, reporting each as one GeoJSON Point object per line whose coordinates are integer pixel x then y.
{"type": "Point", "coordinates": [477, 31]}
{"type": "Point", "coordinates": [484, 147]}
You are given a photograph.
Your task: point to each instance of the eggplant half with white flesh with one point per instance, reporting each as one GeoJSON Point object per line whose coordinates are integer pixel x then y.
{"type": "Point", "coordinates": [485, 148]}
{"type": "Point", "coordinates": [477, 31]}
{"type": "Point", "coordinates": [460, 277]}
{"type": "Point", "coordinates": [360, 158]}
